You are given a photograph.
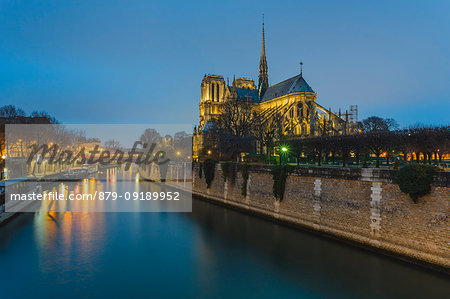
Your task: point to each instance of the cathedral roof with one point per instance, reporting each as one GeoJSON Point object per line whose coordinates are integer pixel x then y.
{"type": "Point", "coordinates": [209, 126]}
{"type": "Point", "coordinates": [291, 85]}
{"type": "Point", "coordinates": [243, 93]}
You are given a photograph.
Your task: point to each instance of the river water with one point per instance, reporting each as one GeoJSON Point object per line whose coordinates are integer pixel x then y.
{"type": "Point", "coordinates": [212, 252]}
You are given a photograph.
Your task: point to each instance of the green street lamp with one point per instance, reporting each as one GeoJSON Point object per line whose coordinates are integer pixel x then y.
{"type": "Point", "coordinates": [284, 150]}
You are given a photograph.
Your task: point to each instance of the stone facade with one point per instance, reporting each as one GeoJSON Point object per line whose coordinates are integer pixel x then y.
{"type": "Point", "coordinates": [358, 205]}
{"type": "Point", "coordinates": [292, 100]}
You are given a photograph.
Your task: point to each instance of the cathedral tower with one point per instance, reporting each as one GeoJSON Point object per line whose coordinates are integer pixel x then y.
{"type": "Point", "coordinates": [213, 90]}
{"type": "Point", "coordinates": [263, 83]}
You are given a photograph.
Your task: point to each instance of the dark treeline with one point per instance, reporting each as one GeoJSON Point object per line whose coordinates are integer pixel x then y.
{"type": "Point", "coordinates": [239, 130]}
{"type": "Point", "coordinates": [10, 114]}
{"type": "Point", "coordinates": [415, 144]}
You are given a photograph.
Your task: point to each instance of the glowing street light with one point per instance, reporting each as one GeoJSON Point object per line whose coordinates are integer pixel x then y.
{"type": "Point", "coordinates": [284, 151]}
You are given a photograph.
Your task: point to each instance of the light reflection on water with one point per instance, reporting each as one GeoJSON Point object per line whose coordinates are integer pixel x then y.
{"type": "Point", "coordinates": [213, 252]}
{"type": "Point", "coordinates": [114, 190]}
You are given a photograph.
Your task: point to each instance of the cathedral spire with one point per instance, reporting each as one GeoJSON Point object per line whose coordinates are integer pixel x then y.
{"type": "Point", "coordinates": [263, 83]}
{"type": "Point", "coordinates": [263, 49]}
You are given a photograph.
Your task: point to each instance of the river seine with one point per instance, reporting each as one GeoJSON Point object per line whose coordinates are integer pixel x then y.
{"type": "Point", "coordinates": [212, 252]}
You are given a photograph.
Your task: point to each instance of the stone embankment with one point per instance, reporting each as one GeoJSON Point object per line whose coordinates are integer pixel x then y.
{"type": "Point", "coordinates": [364, 206]}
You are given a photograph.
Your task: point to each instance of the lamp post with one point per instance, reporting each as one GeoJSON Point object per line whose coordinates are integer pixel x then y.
{"type": "Point", "coordinates": [284, 150]}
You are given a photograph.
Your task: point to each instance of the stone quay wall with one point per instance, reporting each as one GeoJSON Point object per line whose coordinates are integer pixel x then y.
{"type": "Point", "coordinates": [359, 205]}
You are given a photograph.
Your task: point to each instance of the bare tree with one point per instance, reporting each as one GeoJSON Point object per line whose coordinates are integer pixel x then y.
{"type": "Point", "coordinates": [237, 118]}
{"type": "Point", "coordinates": [377, 124]}
{"type": "Point", "coordinates": [268, 130]}
{"type": "Point", "coordinates": [234, 129]}
{"type": "Point", "coordinates": [10, 111]}
{"type": "Point", "coordinates": [43, 117]}
{"type": "Point", "coordinates": [150, 136]}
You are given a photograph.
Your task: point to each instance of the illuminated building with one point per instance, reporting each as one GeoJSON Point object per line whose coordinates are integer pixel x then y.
{"type": "Point", "coordinates": [292, 99]}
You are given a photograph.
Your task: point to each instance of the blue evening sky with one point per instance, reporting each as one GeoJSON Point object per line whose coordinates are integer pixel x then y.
{"type": "Point", "coordinates": [143, 61]}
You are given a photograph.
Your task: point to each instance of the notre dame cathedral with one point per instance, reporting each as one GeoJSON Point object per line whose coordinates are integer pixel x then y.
{"type": "Point", "coordinates": [292, 99]}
